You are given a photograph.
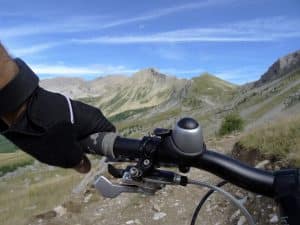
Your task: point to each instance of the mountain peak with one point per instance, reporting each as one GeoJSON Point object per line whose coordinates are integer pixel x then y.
{"type": "Point", "coordinates": [210, 79]}
{"type": "Point", "coordinates": [280, 68]}
{"type": "Point", "coordinates": [149, 73]}
{"type": "Point", "coordinates": [208, 76]}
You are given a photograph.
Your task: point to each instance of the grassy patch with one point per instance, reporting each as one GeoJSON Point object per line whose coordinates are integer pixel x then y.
{"type": "Point", "coordinates": [280, 140]}
{"type": "Point", "coordinates": [164, 94]}
{"type": "Point", "coordinates": [142, 124]}
{"type": "Point", "coordinates": [6, 146]}
{"type": "Point", "coordinates": [209, 85]}
{"type": "Point", "coordinates": [90, 100]}
{"type": "Point", "coordinates": [141, 93]}
{"type": "Point", "coordinates": [192, 102]}
{"type": "Point", "coordinates": [11, 161]}
{"type": "Point", "coordinates": [126, 114]}
{"type": "Point", "coordinates": [113, 104]}
{"type": "Point", "coordinates": [34, 192]}
{"type": "Point", "coordinates": [274, 102]}
{"type": "Point", "coordinates": [258, 96]}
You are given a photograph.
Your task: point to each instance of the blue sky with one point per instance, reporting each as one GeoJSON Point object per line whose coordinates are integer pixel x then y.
{"type": "Point", "coordinates": [235, 40]}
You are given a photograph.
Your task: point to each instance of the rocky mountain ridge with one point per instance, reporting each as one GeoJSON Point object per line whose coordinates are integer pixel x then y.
{"type": "Point", "coordinates": [80, 88]}
{"type": "Point", "coordinates": [149, 98]}
{"type": "Point", "coordinates": [280, 68]}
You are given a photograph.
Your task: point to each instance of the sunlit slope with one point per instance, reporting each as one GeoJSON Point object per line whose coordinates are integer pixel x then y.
{"type": "Point", "coordinates": [279, 140]}
{"type": "Point", "coordinates": [199, 97]}
{"type": "Point", "coordinates": [281, 96]}
{"type": "Point", "coordinates": [207, 89]}
{"type": "Point", "coordinates": [150, 99]}
{"type": "Point", "coordinates": [147, 88]}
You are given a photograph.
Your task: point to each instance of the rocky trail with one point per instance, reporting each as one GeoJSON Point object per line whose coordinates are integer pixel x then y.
{"type": "Point", "coordinates": [171, 205]}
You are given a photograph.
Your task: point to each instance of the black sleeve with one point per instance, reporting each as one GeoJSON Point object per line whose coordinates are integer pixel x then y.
{"type": "Point", "coordinates": [52, 125]}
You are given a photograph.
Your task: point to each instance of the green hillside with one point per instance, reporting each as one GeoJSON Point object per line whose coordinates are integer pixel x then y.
{"type": "Point", "coordinates": [150, 99]}
{"type": "Point", "coordinates": [280, 140]}
{"type": "Point", "coordinates": [210, 89]}
{"type": "Point", "coordinates": [276, 97]}
{"type": "Point", "coordinates": [207, 84]}
{"type": "Point", "coordinates": [6, 146]}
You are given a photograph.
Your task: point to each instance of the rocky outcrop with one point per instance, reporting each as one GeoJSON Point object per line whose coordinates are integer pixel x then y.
{"type": "Point", "coordinates": [280, 68]}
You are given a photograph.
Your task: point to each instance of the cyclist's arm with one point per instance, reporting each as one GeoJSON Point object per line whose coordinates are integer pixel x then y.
{"type": "Point", "coordinates": [8, 70]}
{"type": "Point", "coordinates": [53, 123]}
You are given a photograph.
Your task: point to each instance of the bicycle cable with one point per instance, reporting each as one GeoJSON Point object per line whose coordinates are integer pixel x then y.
{"type": "Point", "coordinates": [203, 200]}
{"type": "Point", "coordinates": [229, 196]}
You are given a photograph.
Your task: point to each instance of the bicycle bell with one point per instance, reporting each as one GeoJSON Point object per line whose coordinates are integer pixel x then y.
{"type": "Point", "coordinates": [188, 137]}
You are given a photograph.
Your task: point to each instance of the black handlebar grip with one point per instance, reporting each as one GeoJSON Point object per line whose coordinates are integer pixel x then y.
{"type": "Point", "coordinates": [127, 147]}
{"type": "Point", "coordinates": [101, 143]}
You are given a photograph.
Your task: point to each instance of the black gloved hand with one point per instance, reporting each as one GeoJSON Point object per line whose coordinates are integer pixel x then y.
{"type": "Point", "coordinates": [51, 127]}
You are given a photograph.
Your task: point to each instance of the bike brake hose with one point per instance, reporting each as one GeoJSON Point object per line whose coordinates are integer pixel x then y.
{"type": "Point", "coordinates": [203, 200]}
{"type": "Point", "coordinates": [229, 196]}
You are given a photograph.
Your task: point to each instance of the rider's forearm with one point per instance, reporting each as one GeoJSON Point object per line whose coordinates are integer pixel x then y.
{"type": "Point", "coordinates": [8, 70]}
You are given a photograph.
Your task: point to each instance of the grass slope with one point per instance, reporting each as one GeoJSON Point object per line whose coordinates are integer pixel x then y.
{"type": "Point", "coordinates": [127, 114]}
{"type": "Point", "coordinates": [6, 146]}
{"type": "Point", "coordinates": [280, 139]}
{"type": "Point", "coordinates": [209, 86]}
{"type": "Point", "coordinates": [34, 192]}
{"type": "Point", "coordinates": [11, 161]}
{"type": "Point", "coordinates": [274, 102]}
{"type": "Point", "coordinates": [265, 98]}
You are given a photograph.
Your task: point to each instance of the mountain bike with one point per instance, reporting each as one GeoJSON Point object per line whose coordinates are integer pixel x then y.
{"type": "Point", "coordinates": [184, 147]}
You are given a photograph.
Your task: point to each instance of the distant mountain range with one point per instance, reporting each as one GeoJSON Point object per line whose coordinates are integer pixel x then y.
{"type": "Point", "coordinates": [149, 98]}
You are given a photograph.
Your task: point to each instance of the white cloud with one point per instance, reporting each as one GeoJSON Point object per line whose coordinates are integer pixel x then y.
{"type": "Point", "coordinates": [34, 49]}
{"type": "Point", "coordinates": [166, 11]}
{"type": "Point", "coordinates": [168, 38]}
{"type": "Point", "coordinates": [187, 73]}
{"type": "Point", "coordinates": [73, 71]}
{"type": "Point", "coordinates": [85, 23]}
{"type": "Point", "coordinates": [256, 30]}
{"type": "Point", "coordinates": [265, 29]}
{"type": "Point", "coordinates": [69, 25]}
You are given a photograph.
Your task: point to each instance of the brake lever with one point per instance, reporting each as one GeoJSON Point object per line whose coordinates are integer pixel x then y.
{"type": "Point", "coordinates": [147, 185]}
{"type": "Point", "coordinates": [110, 190]}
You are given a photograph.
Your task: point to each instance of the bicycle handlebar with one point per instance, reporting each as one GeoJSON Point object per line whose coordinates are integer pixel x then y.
{"type": "Point", "coordinates": [240, 174]}
{"type": "Point", "coordinates": [283, 185]}
{"type": "Point", "coordinates": [235, 172]}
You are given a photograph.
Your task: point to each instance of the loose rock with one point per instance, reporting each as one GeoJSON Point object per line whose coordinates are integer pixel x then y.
{"type": "Point", "coordinates": [274, 219]}
{"type": "Point", "coordinates": [87, 198]}
{"type": "Point", "coordinates": [242, 220]}
{"type": "Point", "coordinates": [235, 215]}
{"type": "Point", "coordinates": [159, 215]}
{"type": "Point", "coordinates": [60, 210]}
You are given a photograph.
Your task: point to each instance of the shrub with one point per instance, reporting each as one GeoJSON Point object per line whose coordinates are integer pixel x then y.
{"type": "Point", "coordinates": [231, 122]}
